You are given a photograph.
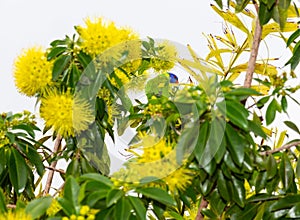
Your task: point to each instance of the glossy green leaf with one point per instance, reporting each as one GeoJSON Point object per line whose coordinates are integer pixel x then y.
{"type": "Point", "coordinates": [284, 104]}
{"type": "Point", "coordinates": [257, 129]}
{"type": "Point", "coordinates": [271, 167]}
{"type": "Point", "coordinates": [216, 203]}
{"type": "Point", "coordinates": [285, 203]}
{"type": "Point", "coordinates": [113, 196]}
{"type": "Point", "coordinates": [295, 59]}
{"type": "Point", "coordinates": [54, 52]}
{"type": "Point", "coordinates": [71, 191]}
{"type": "Point", "coordinates": [239, 194]}
{"type": "Point", "coordinates": [264, 14]}
{"type": "Point", "coordinates": [17, 171]}
{"type": "Point", "coordinates": [248, 212]}
{"type": "Point", "coordinates": [3, 208]}
{"type": "Point", "coordinates": [271, 112]}
{"type": "Point", "coordinates": [95, 196]}
{"type": "Point", "coordinates": [157, 194]}
{"type": "Point", "coordinates": [298, 169]}
{"type": "Point", "coordinates": [242, 92]}
{"type": "Point", "coordinates": [222, 187]}
{"type": "Point", "coordinates": [260, 181]}
{"type": "Point", "coordinates": [138, 206]}
{"type": "Point", "coordinates": [35, 159]}
{"type": "Point", "coordinates": [262, 101]}
{"type": "Point", "coordinates": [201, 143]}
{"type": "Point", "coordinates": [97, 177]}
{"type": "Point", "coordinates": [236, 145]}
{"type": "Point", "coordinates": [60, 65]}
{"type": "Point", "coordinates": [221, 151]}
{"type": "Point", "coordinates": [66, 206]}
{"type": "Point", "coordinates": [122, 209]}
{"type": "Point", "coordinates": [36, 208]}
{"type": "Point", "coordinates": [286, 173]}
{"type": "Point", "coordinates": [293, 37]}
{"type": "Point", "coordinates": [84, 59]}
{"type": "Point", "coordinates": [294, 212]}
{"type": "Point", "coordinates": [292, 126]}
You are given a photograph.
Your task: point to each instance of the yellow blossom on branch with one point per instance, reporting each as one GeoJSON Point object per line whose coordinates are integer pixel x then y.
{"type": "Point", "coordinates": [65, 113]}
{"type": "Point", "coordinates": [32, 71]}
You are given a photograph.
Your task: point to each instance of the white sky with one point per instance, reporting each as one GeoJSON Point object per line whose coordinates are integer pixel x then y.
{"type": "Point", "coordinates": [38, 22]}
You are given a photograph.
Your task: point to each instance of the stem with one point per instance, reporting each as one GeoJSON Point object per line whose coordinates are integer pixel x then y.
{"type": "Point", "coordinates": [52, 166]}
{"type": "Point", "coordinates": [284, 147]}
{"type": "Point", "coordinates": [254, 51]}
{"type": "Point", "coordinates": [203, 204]}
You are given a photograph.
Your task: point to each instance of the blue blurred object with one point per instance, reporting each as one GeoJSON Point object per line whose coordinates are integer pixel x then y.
{"type": "Point", "coordinates": [173, 78]}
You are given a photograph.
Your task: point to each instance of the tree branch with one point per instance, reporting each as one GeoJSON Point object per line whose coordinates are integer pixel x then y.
{"type": "Point", "coordinates": [52, 166]}
{"type": "Point", "coordinates": [203, 204]}
{"type": "Point", "coordinates": [254, 51]}
{"type": "Point", "coordinates": [284, 147]}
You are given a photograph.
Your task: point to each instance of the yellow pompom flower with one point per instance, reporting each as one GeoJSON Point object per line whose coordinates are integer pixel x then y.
{"type": "Point", "coordinates": [32, 71]}
{"type": "Point", "coordinates": [65, 113]}
{"type": "Point", "coordinates": [17, 215]}
{"type": "Point", "coordinates": [54, 208]}
{"type": "Point", "coordinates": [180, 179]}
{"type": "Point", "coordinates": [99, 35]}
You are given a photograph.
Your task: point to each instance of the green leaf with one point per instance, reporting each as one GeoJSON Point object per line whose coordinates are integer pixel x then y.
{"type": "Point", "coordinates": [95, 196]}
{"type": "Point", "coordinates": [236, 145]}
{"type": "Point", "coordinates": [113, 196]}
{"type": "Point", "coordinates": [241, 4]}
{"type": "Point", "coordinates": [298, 169]}
{"type": "Point", "coordinates": [271, 111]}
{"type": "Point", "coordinates": [56, 51]}
{"type": "Point", "coordinates": [3, 208]}
{"type": "Point", "coordinates": [239, 194]}
{"type": "Point", "coordinates": [123, 209]}
{"type": "Point", "coordinates": [292, 126]}
{"type": "Point", "coordinates": [293, 37]}
{"type": "Point", "coordinates": [260, 181]}
{"type": "Point", "coordinates": [264, 14]}
{"type": "Point", "coordinates": [60, 65]}
{"type": "Point", "coordinates": [38, 207]}
{"type": "Point", "coordinates": [17, 171]}
{"type": "Point", "coordinates": [139, 207]}
{"type": "Point", "coordinates": [257, 129]}
{"type": "Point", "coordinates": [286, 174]}
{"type": "Point", "coordinates": [295, 59]}
{"type": "Point", "coordinates": [284, 104]}
{"type": "Point", "coordinates": [271, 167]}
{"type": "Point", "coordinates": [222, 187]}
{"type": "Point", "coordinates": [157, 194]}
{"type": "Point", "coordinates": [66, 206]}
{"type": "Point", "coordinates": [262, 101]}
{"type": "Point", "coordinates": [201, 143]}
{"type": "Point", "coordinates": [294, 212]}
{"type": "Point", "coordinates": [84, 59]}
{"type": "Point", "coordinates": [248, 212]}
{"type": "Point", "coordinates": [285, 203]}
{"type": "Point", "coordinates": [242, 92]}
{"type": "Point", "coordinates": [97, 177]}
{"type": "Point", "coordinates": [71, 191]}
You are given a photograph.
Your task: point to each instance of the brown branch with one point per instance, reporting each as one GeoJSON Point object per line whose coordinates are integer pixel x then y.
{"type": "Point", "coordinates": [53, 165]}
{"type": "Point", "coordinates": [203, 205]}
{"type": "Point", "coordinates": [254, 51]}
{"type": "Point", "coordinates": [284, 147]}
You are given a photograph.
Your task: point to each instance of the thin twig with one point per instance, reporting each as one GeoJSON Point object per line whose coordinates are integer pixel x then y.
{"type": "Point", "coordinates": [254, 51]}
{"type": "Point", "coordinates": [284, 147]}
{"type": "Point", "coordinates": [11, 206]}
{"type": "Point", "coordinates": [203, 204]}
{"type": "Point", "coordinates": [55, 170]}
{"type": "Point", "coordinates": [53, 165]}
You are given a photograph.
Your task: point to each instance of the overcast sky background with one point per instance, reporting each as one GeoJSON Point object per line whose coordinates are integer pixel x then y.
{"type": "Point", "coordinates": [25, 23]}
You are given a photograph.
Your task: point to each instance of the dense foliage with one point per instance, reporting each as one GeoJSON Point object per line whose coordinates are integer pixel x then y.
{"type": "Point", "coordinates": [203, 147]}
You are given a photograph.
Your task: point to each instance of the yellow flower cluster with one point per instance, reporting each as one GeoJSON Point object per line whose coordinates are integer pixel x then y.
{"type": "Point", "coordinates": [100, 35]}
{"type": "Point", "coordinates": [157, 160]}
{"type": "Point", "coordinates": [85, 213]}
{"type": "Point", "coordinates": [166, 57]}
{"type": "Point", "coordinates": [54, 208]}
{"type": "Point", "coordinates": [16, 215]}
{"type": "Point", "coordinates": [65, 113]}
{"type": "Point", "coordinates": [32, 71]}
